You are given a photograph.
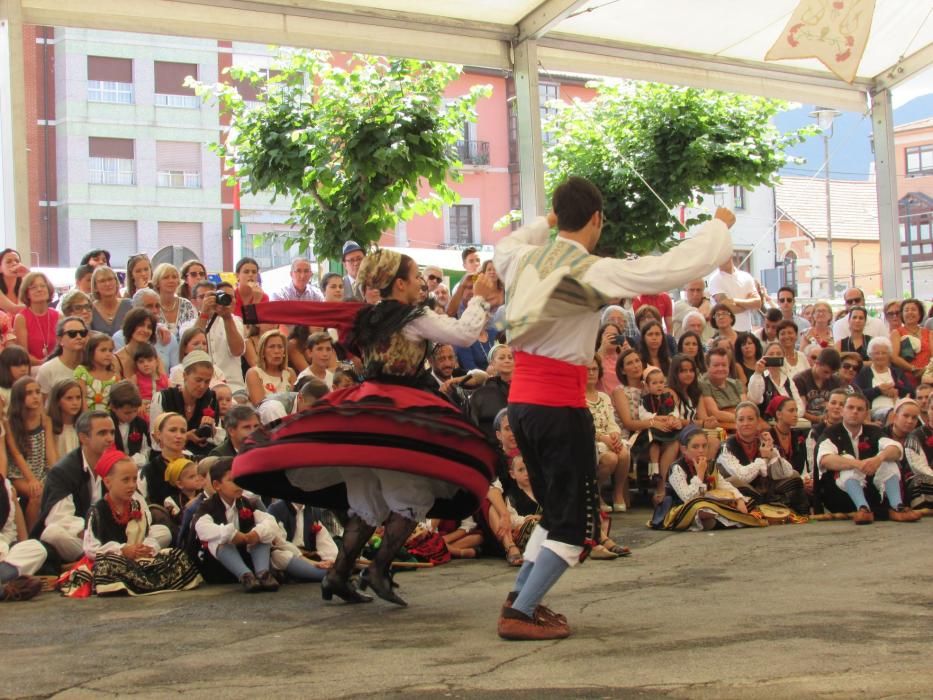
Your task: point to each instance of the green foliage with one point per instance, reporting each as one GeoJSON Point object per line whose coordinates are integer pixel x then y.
{"type": "Point", "coordinates": [683, 141]}
{"type": "Point", "coordinates": [357, 149]}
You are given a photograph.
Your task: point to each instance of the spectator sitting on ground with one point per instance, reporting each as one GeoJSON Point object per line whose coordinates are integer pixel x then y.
{"type": "Point", "coordinates": [721, 393]}
{"type": "Point", "coordinates": [240, 422]}
{"type": "Point", "coordinates": [493, 396]}
{"type": "Point", "coordinates": [19, 557]}
{"type": "Point", "coordinates": [132, 430]}
{"type": "Point", "coordinates": [194, 400]}
{"type": "Point", "coordinates": [65, 403]}
{"type": "Point", "coordinates": [169, 434]}
{"type": "Point", "coordinates": [815, 383]}
{"type": "Point", "coordinates": [881, 382]}
{"type": "Point", "coordinates": [768, 381]}
{"type": "Point", "coordinates": [192, 339]}
{"type": "Point", "coordinates": [752, 463]}
{"type": "Point", "coordinates": [275, 406]}
{"type": "Point", "coordinates": [916, 475]}
{"type": "Point", "coordinates": [859, 465]}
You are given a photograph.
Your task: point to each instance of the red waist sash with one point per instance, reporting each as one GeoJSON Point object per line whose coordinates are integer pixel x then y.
{"type": "Point", "coordinates": [545, 381]}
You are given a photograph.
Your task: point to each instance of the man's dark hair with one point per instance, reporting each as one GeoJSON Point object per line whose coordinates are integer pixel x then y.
{"type": "Point", "coordinates": [830, 358]}
{"type": "Point", "coordinates": [312, 390]}
{"type": "Point", "coordinates": [203, 284]}
{"type": "Point", "coordinates": [220, 468]}
{"type": "Point", "coordinates": [125, 393]}
{"type": "Point", "coordinates": [575, 201]}
{"type": "Point", "coordinates": [83, 424]}
{"type": "Point", "coordinates": [793, 292]}
{"type": "Point", "coordinates": [786, 324]}
{"type": "Point", "coordinates": [717, 352]}
{"type": "Point", "coordinates": [774, 315]}
{"type": "Point", "coordinates": [466, 252]}
{"type": "Point", "coordinates": [237, 414]}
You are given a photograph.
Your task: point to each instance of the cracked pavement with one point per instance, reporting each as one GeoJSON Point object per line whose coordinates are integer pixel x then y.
{"type": "Point", "coordinates": [824, 610]}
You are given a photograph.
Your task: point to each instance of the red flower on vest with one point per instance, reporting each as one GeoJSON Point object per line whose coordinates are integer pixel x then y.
{"type": "Point", "coordinates": [930, 441]}
{"type": "Point", "coordinates": [863, 446]}
{"type": "Point", "coordinates": [135, 436]}
{"type": "Point", "coordinates": [245, 513]}
{"type": "Point", "coordinates": [668, 402]}
{"type": "Point", "coordinates": [208, 412]}
{"type": "Point", "coordinates": [316, 528]}
{"type": "Point", "coordinates": [824, 344]}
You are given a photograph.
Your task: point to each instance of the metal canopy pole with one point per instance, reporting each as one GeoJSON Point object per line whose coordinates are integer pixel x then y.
{"type": "Point", "coordinates": [530, 149]}
{"type": "Point", "coordinates": [14, 188]}
{"type": "Point", "coordinates": [882, 124]}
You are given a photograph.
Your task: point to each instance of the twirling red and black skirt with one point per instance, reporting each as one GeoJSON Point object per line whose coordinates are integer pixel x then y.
{"type": "Point", "coordinates": [376, 425]}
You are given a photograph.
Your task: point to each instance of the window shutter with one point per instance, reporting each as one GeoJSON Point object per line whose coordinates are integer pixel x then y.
{"type": "Point", "coordinates": [107, 69]}
{"type": "Point", "coordinates": [103, 147]}
{"type": "Point", "coordinates": [181, 233]}
{"type": "Point", "coordinates": [178, 155]}
{"type": "Point", "coordinates": [170, 77]}
{"type": "Point", "coordinates": [119, 237]}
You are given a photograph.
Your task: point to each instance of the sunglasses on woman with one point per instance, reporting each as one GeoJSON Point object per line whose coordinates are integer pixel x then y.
{"type": "Point", "coordinates": [76, 334]}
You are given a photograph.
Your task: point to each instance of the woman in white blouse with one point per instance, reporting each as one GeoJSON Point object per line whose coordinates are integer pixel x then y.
{"type": "Point", "coordinates": [614, 458]}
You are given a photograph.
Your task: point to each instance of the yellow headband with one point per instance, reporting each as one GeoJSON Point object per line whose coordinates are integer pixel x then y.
{"type": "Point", "coordinates": [174, 469]}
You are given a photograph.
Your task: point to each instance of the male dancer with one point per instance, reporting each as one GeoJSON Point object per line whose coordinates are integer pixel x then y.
{"type": "Point", "coordinates": [555, 290]}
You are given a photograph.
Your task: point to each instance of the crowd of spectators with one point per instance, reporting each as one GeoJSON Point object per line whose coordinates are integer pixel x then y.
{"type": "Point", "coordinates": [759, 409]}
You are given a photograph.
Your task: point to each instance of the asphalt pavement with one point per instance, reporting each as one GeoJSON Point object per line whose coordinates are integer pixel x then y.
{"type": "Point", "coordinates": [822, 610]}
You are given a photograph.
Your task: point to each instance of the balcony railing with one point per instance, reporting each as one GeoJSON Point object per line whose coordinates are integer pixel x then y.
{"type": "Point", "coordinates": [473, 152]}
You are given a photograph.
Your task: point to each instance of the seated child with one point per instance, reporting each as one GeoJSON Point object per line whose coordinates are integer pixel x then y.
{"type": "Point", "coordinates": [147, 375]}
{"type": "Point", "coordinates": [231, 538]}
{"type": "Point", "coordinates": [132, 430]}
{"type": "Point", "coordinates": [126, 557]}
{"type": "Point", "coordinates": [305, 549]}
{"type": "Point", "coordinates": [463, 541]}
{"type": "Point", "coordinates": [185, 482]}
{"type": "Point", "coordinates": [19, 557]}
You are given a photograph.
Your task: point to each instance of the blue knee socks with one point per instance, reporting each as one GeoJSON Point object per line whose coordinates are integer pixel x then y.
{"type": "Point", "coordinates": [523, 574]}
{"type": "Point", "coordinates": [228, 555]}
{"type": "Point", "coordinates": [544, 574]}
{"type": "Point", "coordinates": [892, 489]}
{"type": "Point", "coordinates": [302, 569]}
{"type": "Point", "coordinates": [8, 572]}
{"type": "Point", "coordinates": [856, 493]}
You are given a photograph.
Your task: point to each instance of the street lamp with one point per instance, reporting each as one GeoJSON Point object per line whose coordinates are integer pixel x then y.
{"type": "Point", "coordinates": [824, 118]}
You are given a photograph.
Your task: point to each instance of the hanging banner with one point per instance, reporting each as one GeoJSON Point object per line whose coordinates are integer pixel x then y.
{"type": "Point", "coordinates": [833, 31]}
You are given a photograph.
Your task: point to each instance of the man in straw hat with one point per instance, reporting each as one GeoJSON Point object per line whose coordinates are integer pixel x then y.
{"type": "Point", "coordinates": [555, 290]}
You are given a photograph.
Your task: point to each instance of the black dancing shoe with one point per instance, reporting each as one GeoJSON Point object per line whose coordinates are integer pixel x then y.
{"type": "Point", "coordinates": [343, 589]}
{"type": "Point", "coordinates": [382, 584]}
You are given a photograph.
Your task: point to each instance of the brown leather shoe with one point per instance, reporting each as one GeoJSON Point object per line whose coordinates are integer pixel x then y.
{"type": "Point", "coordinates": [516, 626]}
{"type": "Point", "coordinates": [863, 516]}
{"type": "Point", "coordinates": [542, 612]}
{"type": "Point", "coordinates": [903, 514]}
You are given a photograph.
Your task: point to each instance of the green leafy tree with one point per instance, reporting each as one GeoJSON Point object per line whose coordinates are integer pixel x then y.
{"type": "Point", "coordinates": [355, 148]}
{"type": "Point", "coordinates": [683, 141]}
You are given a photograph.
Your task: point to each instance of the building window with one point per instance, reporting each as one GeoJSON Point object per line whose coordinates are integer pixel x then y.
{"type": "Point", "coordinates": [179, 178]}
{"type": "Point", "coordinates": [111, 161]}
{"type": "Point", "coordinates": [119, 237]}
{"type": "Point", "coordinates": [742, 259]}
{"type": "Point", "coordinates": [460, 225]}
{"type": "Point", "coordinates": [790, 269]}
{"type": "Point", "coordinates": [111, 171]}
{"type": "Point", "coordinates": [107, 91]}
{"type": "Point", "coordinates": [917, 237]}
{"type": "Point", "coordinates": [738, 196]}
{"type": "Point", "coordinates": [181, 233]}
{"type": "Point", "coordinates": [178, 164]}
{"type": "Point", "coordinates": [110, 80]}
{"type": "Point", "coordinates": [170, 90]}
{"type": "Point", "coordinates": [547, 93]}
{"type": "Point", "coordinates": [919, 160]}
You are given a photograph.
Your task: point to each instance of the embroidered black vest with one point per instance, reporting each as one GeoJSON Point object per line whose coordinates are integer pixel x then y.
{"type": "Point", "coordinates": [869, 438]}
{"type": "Point", "coordinates": [139, 433]}
{"type": "Point", "coordinates": [105, 528]}
{"type": "Point", "coordinates": [173, 400]}
{"type": "Point", "coordinates": [691, 472]}
{"type": "Point", "coordinates": [797, 455]}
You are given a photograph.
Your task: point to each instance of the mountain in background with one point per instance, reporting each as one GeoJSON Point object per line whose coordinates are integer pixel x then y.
{"type": "Point", "coordinates": [850, 145]}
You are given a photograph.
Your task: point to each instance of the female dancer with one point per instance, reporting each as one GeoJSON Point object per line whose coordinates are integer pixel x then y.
{"type": "Point", "coordinates": [393, 452]}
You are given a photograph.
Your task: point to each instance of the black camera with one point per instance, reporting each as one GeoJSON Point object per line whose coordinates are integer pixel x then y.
{"type": "Point", "coordinates": [205, 431]}
{"type": "Point", "coordinates": [223, 298]}
{"type": "Point", "coordinates": [619, 339]}
{"type": "Point", "coordinates": [774, 361]}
